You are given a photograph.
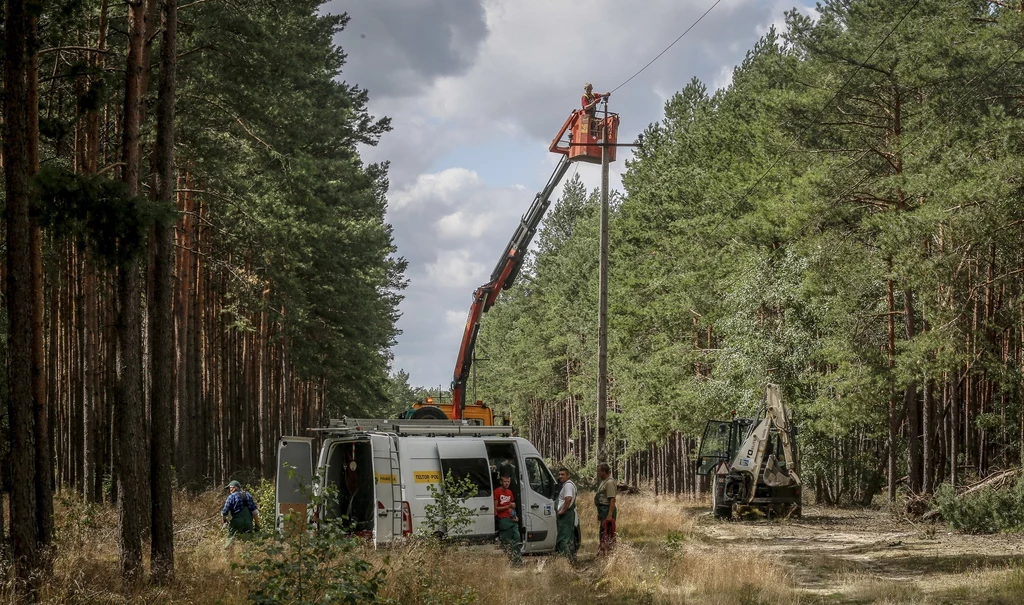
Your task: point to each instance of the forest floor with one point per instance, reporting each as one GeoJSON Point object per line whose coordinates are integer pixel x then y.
{"type": "Point", "coordinates": [869, 556]}
{"type": "Point", "coordinates": [669, 551]}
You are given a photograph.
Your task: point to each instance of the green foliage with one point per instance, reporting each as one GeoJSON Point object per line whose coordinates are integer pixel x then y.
{"type": "Point", "coordinates": [448, 517]}
{"type": "Point", "coordinates": [986, 511]}
{"type": "Point", "coordinates": [97, 212]}
{"type": "Point", "coordinates": [400, 394]}
{"type": "Point", "coordinates": [265, 497]}
{"type": "Point", "coordinates": [318, 565]}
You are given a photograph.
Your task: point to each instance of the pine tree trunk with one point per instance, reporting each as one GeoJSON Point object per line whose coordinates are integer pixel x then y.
{"type": "Point", "coordinates": [44, 456]}
{"type": "Point", "coordinates": [894, 423]}
{"type": "Point", "coordinates": [912, 406]}
{"type": "Point", "coordinates": [129, 418]}
{"type": "Point", "coordinates": [21, 420]}
{"type": "Point", "coordinates": [928, 446]}
{"type": "Point", "coordinates": [162, 318]}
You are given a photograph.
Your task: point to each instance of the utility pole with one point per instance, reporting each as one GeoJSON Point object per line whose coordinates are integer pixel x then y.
{"type": "Point", "coordinates": [602, 313]}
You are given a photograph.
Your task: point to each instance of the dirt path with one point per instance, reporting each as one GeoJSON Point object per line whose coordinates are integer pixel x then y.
{"type": "Point", "coordinates": [830, 550]}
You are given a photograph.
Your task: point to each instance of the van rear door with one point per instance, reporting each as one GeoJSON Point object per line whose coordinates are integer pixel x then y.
{"type": "Point", "coordinates": [294, 486]}
{"type": "Point", "coordinates": [468, 458]}
{"type": "Point", "coordinates": [387, 480]}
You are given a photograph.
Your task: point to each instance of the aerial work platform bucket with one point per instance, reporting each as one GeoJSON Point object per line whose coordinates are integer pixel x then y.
{"type": "Point", "coordinates": [586, 137]}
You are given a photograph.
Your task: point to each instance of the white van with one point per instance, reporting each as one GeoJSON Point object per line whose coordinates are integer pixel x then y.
{"type": "Point", "coordinates": [382, 468]}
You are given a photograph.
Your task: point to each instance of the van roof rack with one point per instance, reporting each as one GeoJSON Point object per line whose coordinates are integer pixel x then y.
{"type": "Point", "coordinates": [344, 425]}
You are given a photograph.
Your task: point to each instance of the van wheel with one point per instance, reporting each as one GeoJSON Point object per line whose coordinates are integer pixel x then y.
{"type": "Point", "coordinates": [428, 413]}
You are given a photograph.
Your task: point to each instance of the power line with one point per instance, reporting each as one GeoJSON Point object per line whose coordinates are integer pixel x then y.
{"type": "Point", "coordinates": [669, 46]}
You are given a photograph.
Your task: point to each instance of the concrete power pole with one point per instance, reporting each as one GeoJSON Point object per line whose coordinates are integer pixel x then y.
{"type": "Point", "coordinates": [602, 313]}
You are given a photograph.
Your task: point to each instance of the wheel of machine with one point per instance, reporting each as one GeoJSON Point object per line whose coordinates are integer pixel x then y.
{"type": "Point", "coordinates": [429, 412]}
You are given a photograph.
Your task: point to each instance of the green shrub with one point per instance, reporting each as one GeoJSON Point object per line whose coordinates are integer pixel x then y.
{"type": "Point", "coordinates": [986, 511]}
{"type": "Point", "coordinates": [448, 516]}
{"type": "Point", "coordinates": [315, 565]}
{"type": "Point", "coordinates": [263, 494]}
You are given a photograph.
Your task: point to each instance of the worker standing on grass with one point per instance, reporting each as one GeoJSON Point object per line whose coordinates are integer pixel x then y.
{"type": "Point", "coordinates": [604, 500]}
{"type": "Point", "coordinates": [566, 520]}
{"type": "Point", "coordinates": [244, 515]}
{"type": "Point", "coordinates": [508, 521]}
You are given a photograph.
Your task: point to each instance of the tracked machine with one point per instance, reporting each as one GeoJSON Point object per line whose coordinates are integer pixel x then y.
{"type": "Point", "coordinates": [753, 462]}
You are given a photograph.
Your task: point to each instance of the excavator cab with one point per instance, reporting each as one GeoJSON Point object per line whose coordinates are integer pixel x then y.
{"type": "Point", "coordinates": [753, 462]}
{"type": "Point", "coordinates": [586, 136]}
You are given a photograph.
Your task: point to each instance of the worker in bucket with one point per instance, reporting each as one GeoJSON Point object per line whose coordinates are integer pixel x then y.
{"type": "Point", "coordinates": [604, 500]}
{"type": "Point", "coordinates": [589, 101]}
{"type": "Point", "coordinates": [508, 520]}
{"type": "Point", "coordinates": [240, 514]}
{"type": "Point", "coordinates": [566, 520]}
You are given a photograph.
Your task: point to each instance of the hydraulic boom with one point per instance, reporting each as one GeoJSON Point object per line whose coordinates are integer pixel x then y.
{"type": "Point", "coordinates": [502, 278]}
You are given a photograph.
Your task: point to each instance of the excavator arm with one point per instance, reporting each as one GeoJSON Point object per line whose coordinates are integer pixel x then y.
{"type": "Point", "coordinates": [752, 451]}
{"type": "Point", "coordinates": [502, 278]}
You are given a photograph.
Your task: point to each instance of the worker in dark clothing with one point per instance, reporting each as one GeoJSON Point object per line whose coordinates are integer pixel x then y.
{"type": "Point", "coordinates": [244, 515]}
{"type": "Point", "coordinates": [566, 516]}
{"type": "Point", "coordinates": [607, 512]}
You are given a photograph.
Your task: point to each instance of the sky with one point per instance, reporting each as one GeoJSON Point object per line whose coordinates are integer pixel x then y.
{"type": "Point", "coordinates": [476, 90]}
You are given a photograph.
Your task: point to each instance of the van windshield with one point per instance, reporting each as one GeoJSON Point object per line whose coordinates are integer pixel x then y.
{"type": "Point", "coordinates": [475, 469]}
{"type": "Point", "coordinates": [541, 480]}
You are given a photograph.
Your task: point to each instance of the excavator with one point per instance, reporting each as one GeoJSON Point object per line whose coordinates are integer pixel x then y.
{"type": "Point", "coordinates": [582, 138]}
{"type": "Point", "coordinates": [753, 461]}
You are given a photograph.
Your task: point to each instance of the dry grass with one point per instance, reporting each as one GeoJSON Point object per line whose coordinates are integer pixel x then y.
{"type": "Point", "coordinates": [659, 560]}
{"type": "Point", "coordinates": [665, 556]}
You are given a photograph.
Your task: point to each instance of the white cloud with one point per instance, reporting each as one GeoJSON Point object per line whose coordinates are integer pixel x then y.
{"type": "Point", "coordinates": [455, 269]}
{"type": "Point", "coordinates": [433, 189]}
{"type": "Point", "coordinates": [456, 319]}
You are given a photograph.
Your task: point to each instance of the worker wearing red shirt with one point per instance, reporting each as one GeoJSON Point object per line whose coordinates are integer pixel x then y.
{"type": "Point", "coordinates": [590, 99]}
{"type": "Point", "coordinates": [508, 520]}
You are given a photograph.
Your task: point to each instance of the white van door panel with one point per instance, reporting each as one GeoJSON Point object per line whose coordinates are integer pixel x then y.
{"type": "Point", "coordinates": [541, 518]}
{"type": "Point", "coordinates": [468, 458]}
{"type": "Point", "coordinates": [388, 487]}
{"type": "Point", "coordinates": [294, 486]}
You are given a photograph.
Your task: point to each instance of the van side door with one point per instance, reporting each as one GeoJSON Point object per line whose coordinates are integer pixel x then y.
{"type": "Point", "coordinates": [294, 486]}
{"type": "Point", "coordinates": [541, 519]}
{"type": "Point", "coordinates": [467, 458]}
{"type": "Point", "coordinates": [387, 481]}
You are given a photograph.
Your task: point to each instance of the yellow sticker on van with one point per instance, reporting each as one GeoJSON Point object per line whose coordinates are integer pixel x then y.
{"type": "Point", "coordinates": [427, 476]}
{"type": "Point", "coordinates": [385, 478]}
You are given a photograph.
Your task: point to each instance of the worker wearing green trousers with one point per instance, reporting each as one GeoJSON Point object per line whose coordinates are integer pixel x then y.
{"type": "Point", "coordinates": [566, 520]}
{"type": "Point", "coordinates": [508, 521]}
